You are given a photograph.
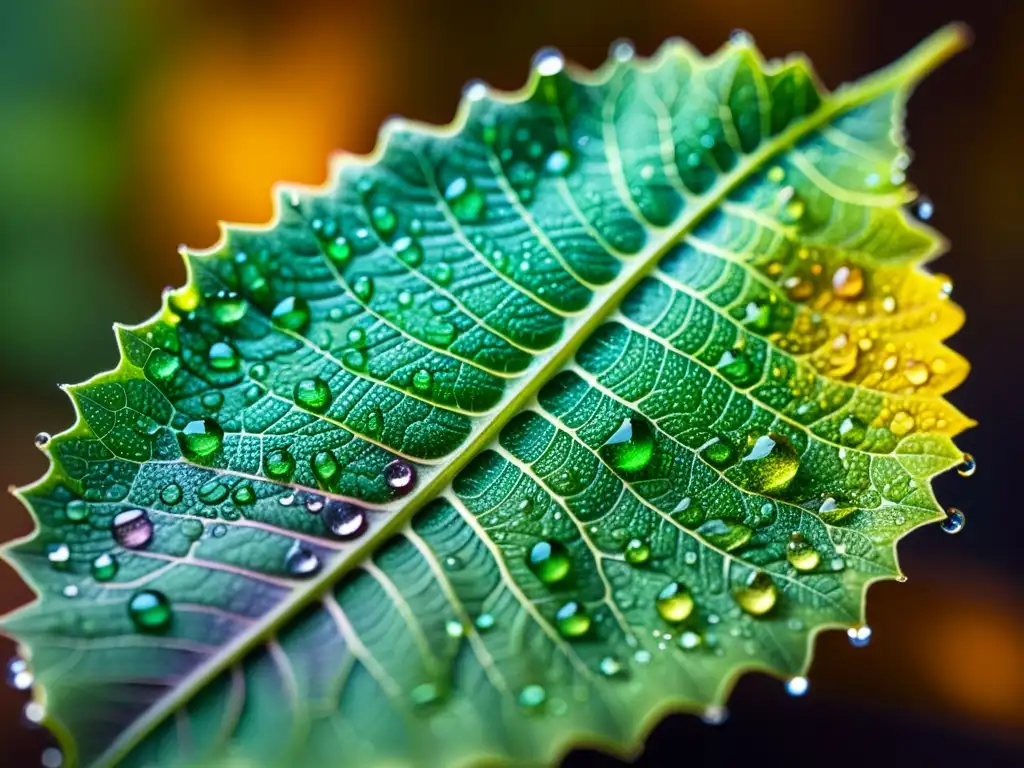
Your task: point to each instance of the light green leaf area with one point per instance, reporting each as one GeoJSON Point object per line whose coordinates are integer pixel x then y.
{"type": "Point", "coordinates": [517, 435]}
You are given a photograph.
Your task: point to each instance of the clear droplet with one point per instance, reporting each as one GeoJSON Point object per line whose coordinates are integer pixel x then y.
{"type": "Point", "coordinates": [171, 494]}
{"type": "Point", "coordinates": [796, 686]}
{"type": "Point", "coordinates": [859, 636]}
{"type": "Point", "coordinates": [674, 603]}
{"type": "Point", "coordinates": [400, 476]}
{"type": "Point", "coordinates": [344, 521]}
{"type": "Point", "coordinates": [533, 697]}
{"type": "Point", "coordinates": [104, 567]}
{"type": "Point", "coordinates": [291, 314]}
{"type": "Point", "coordinates": [150, 611]}
{"type": "Point", "coordinates": [464, 199]}
{"type": "Point", "coordinates": [42, 439]}
{"type": "Point", "coordinates": [279, 464]}
{"type": "Point", "coordinates": [243, 495]}
{"type": "Point", "coordinates": [690, 640]}
{"type": "Point", "coordinates": [201, 438]}
{"type": "Point", "coordinates": [300, 561]}
{"type": "Point", "coordinates": [313, 394]}
{"type": "Point", "coordinates": [637, 552]}
{"type": "Point", "coordinates": [454, 628]}
{"type": "Point", "coordinates": [549, 561]}
{"type": "Point", "coordinates": [558, 162]}
{"type": "Point", "coordinates": [222, 356]}
{"type": "Point", "coordinates": [77, 510]}
{"type": "Point", "coordinates": [759, 594]}
{"type": "Point", "coordinates": [363, 288]}
{"type": "Point", "coordinates": [801, 554]}
{"type": "Point", "coordinates": [132, 529]}
{"type": "Point", "coordinates": [955, 520]}
{"type": "Point", "coordinates": [967, 466]}
{"type": "Point", "coordinates": [630, 447]}
{"type": "Point", "coordinates": [572, 620]}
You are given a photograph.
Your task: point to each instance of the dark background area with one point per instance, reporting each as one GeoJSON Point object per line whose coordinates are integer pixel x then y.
{"type": "Point", "coordinates": [127, 127]}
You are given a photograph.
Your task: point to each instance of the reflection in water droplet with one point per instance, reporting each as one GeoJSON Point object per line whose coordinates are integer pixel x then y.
{"type": "Point", "coordinates": [400, 476]}
{"type": "Point", "coordinates": [222, 356]}
{"type": "Point", "coordinates": [967, 466]}
{"type": "Point", "coordinates": [19, 676]}
{"type": "Point", "coordinates": [859, 636]}
{"type": "Point", "coordinates": [291, 314]}
{"type": "Point", "coordinates": [201, 438]}
{"type": "Point", "coordinates": [550, 561]}
{"type": "Point", "coordinates": [955, 520]}
{"type": "Point", "coordinates": [104, 567]}
{"type": "Point", "coordinates": [279, 464]}
{"type": "Point", "coordinates": [801, 554]}
{"type": "Point", "coordinates": [313, 394]}
{"type": "Point", "coordinates": [852, 430]}
{"type": "Point", "coordinates": [150, 611]}
{"type": "Point", "coordinates": [637, 552]}
{"type": "Point", "coordinates": [42, 439]}
{"type": "Point", "coordinates": [759, 594]}
{"type": "Point", "coordinates": [796, 686]}
{"type": "Point", "coordinates": [409, 251]}
{"type": "Point", "coordinates": [300, 561]}
{"type": "Point", "coordinates": [572, 620]}
{"type": "Point", "coordinates": [674, 603]}
{"type": "Point", "coordinates": [631, 446]}
{"type": "Point", "coordinates": [344, 521]}
{"type": "Point", "coordinates": [132, 528]}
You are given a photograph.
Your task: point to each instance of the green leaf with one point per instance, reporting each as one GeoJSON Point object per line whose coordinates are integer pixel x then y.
{"type": "Point", "coordinates": [519, 434]}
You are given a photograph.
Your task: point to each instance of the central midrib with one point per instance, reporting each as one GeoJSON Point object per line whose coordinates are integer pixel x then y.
{"type": "Point", "coordinates": [902, 73]}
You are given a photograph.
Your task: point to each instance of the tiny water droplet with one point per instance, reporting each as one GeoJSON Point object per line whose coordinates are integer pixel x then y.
{"type": "Point", "coordinates": [227, 308]}
{"type": "Point", "coordinates": [967, 466]}
{"type": "Point", "coordinates": [674, 603]}
{"type": "Point", "coordinates": [19, 675]}
{"type": "Point", "coordinates": [759, 594]}
{"type": "Point", "coordinates": [549, 561]}
{"type": "Point", "coordinates": [796, 686]}
{"type": "Point", "coordinates": [212, 492]}
{"type": "Point", "coordinates": [409, 251]}
{"type": "Point", "coordinates": [313, 394]}
{"type": "Point", "coordinates": [34, 712]}
{"type": "Point", "coordinates": [291, 314]}
{"type": "Point", "coordinates": [925, 209]}
{"type": "Point", "coordinates": [572, 620]}
{"type": "Point", "coordinates": [52, 757]}
{"type": "Point", "coordinates": [533, 697]}
{"type": "Point", "coordinates": [715, 715]}
{"type": "Point", "coordinates": [71, 590]}
{"type": "Point", "coordinates": [852, 431]}
{"type": "Point", "coordinates": [77, 510]}
{"type": "Point", "coordinates": [132, 528]}
{"type": "Point", "coordinates": [622, 50]}
{"type": "Point", "coordinates": [150, 611]}
{"type": "Point", "coordinates": [454, 628]}
{"type": "Point", "coordinates": [475, 90]}
{"type": "Point", "coordinates": [690, 640]}
{"type": "Point", "coordinates": [801, 554]}
{"type": "Point", "coordinates": [955, 520]}
{"type": "Point", "coordinates": [630, 447]}
{"type": "Point", "coordinates": [222, 356]}
{"type": "Point", "coordinates": [422, 380]}
{"type": "Point", "coordinates": [279, 464]}
{"type": "Point", "coordinates": [859, 636]}
{"type": "Point", "coordinates": [741, 37]}
{"type": "Point", "coordinates": [384, 219]}
{"type": "Point", "coordinates": [259, 371]}
{"type": "Point", "coordinates": [610, 666]}
{"type": "Point", "coordinates": [558, 162]}
{"type": "Point", "coordinates": [219, 531]}
{"type": "Point", "coordinates": [344, 521]}
{"type": "Point", "coordinates": [243, 494]}
{"type": "Point", "coordinates": [362, 287]}
{"type": "Point", "coordinates": [339, 250]}
{"type": "Point", "coordinates": [400, 476]}
{"type": "Point", "coordinates": [104, 567]}
{"type": "Point", "coordinates": [201, 438]}
{"type": "Point", "coordinates": [637, 552]}
{"type": "Point", "coordinates": [484, 622]}
{"type": "Point", "coordinates": [725, 534]}
{"type": "Point", "coordinates": [525, 506]}
{"type": "Point", "coordinates": [300, 561]}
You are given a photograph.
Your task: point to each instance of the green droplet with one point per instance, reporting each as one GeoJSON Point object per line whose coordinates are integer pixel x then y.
{"type": "Point", "coordinates": [356, 337]}
{"type": "Point", "coordinates": [404, 299]}
{"type": "Point", "coordinates": [162, 365]}
{"type": "Point", "coordinates": [227, 308]}
{"type": "Point", "coordinates": [150, 611]}
{"type": "Point", "coordinates": [630, 449]}
{"type": "Point", "coordinates": [572, 620]}
{"type": "Point", "coordinates": [201, 438]}
{"type": "Point", "coordinates": [770, 466]}
{"type": "Point", "coordinates": [243, 495]}
{"type": "Point", "coordinates": [259, 371]}
{"type": "Point", "coordinates": [222, 356]}
{"type": "Point", "coordinates": [291, 314]}
{"type": "Point", "coordinates": [171, 494]}
{"type": "Point", "coordinates": [443, 275]}
{"type": "Point", "coordinates": [384, 219]}
{"type": "Point", "coordinates": [776, 174]}
{"type": "Point", "coordinates": [325, 467]}
{"type": "Point", "coordinates": [374, 423]}
{"type": "Point", "coordinates": [718, 453]}
{"type": "Point", "coordinates": [484, 622]}
{"type": "Point", "coordinates": [525, 506]}
{"type": "Point", "coordinates": [439, 333]}
{"type": "Point", "coordinates": [212, 400]}
{"type": "Point", "coordinates": [736, 367]}
{"type": "Point", "coordinates": [422, 380]}
{"type": "Point", "coordinates": [610, 666]}
{"type": "Point", "coordinates": [212, 492]}
{"type": "Point", "coordinates": [801, 554]}
{"type": "Point", "coordinates": [253, 281]}
{"type": "Point", "coordinates": [550, 561]}
{"type": "Point", "coordinates": [724, 534]}
{"type": "Point", "coordinates": [104, 567]}
{"type": "Point", "coordinates": [192, 529]}
{"type": "Point", "coordinates": [77, 510]}
{"type": "Point", "coordinates": [279, 464]}
{"type": "Point", "coordinates": [363, 288]}
{"type": "Point", "coordinates": [674, 603]}
{"type": "Point", "coordinates": [758, 316]}
{"type": "Point", "coordinates": [355, 359]}
{"type": "Point", "coordinates": [465, 201]}
{"type": "Point", "coordinates": [313, 394]}
{"type": "Point", "coordinates": [533, 697]}
{"type": "Point", "coordinates": [852, 431]}
{"type": "Point", "coordinates": [759, 594]}
{"type": "Point", "coordinates": [409, 251]}
{"type": "Point", "coordinates": [637, 552]}
{"type": "Point", "coordinates": [339, 250]}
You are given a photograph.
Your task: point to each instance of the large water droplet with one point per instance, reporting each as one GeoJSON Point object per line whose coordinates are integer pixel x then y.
{"type": "Point", "coordinates": [848, 282]}
{"type": "Point", "coordinates": [631, 446]}
{"type": "Point", "coordinates": [227, 308]}
{"type": "Point", "coordinates": [300, 561]}
{"type": "Point", "coordinates": [759, 594]}
{"type": "Point", "coordinates": [104, 567]}
{"type": "Point", "coordinates": [637, 552]}
{"type": "Point", "coordinates": [955, 520]}
{"type": "Point", "coordinates": [162, 365]}
{"type": "Point", "coordinates": [771, 464]}
{"type": "Point", "coordinates": [212, 492]}
{"type": "Point", "coordinates": [801, 554]}
{"type": "Point", "coordinates": [344, 521]}
{"type": "Point", "coordinates": [150, 611]}
{"type": "Point", "coordinates": [222, 356]}
{"type": "Point", "coordinates": [967, 466]}
{"type": "Point", "coordinates": [725, 534]}
{"type": "Point", "coordinates": [674, 603]}
{"type": "Point", "coordinates": [572, 620]}
{"type": "Point", "coordinates": [550, 561]}
{"type": "Point", "coordinates": [171, 494]}
{"type": "Point", "coordinates": [291, 314]}
{"type": "Point", "coordinates": [464, 199]}
{"type": "Point", "coordinates": [201, 438]}
{"type": "Point", "coordinates": [400, 476]}
{"type": "Point", "coordinates": [313, 394]}
{"type": "Point", "coordinates": [279, 464]}
{"type": "Point", "coordinates": [132, 528]}
{"type": "Point", "coordinates": [384, 219]}
{"type": "Point", "coordinates": [243, 495]}
{"type": "Point", "coordinates": [19, 675]}
{"type": "Point", "coordinates": [325, 467]}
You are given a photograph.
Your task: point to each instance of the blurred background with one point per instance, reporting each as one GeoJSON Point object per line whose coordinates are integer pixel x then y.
{"type": "Point", "coordinates": [130, 126]}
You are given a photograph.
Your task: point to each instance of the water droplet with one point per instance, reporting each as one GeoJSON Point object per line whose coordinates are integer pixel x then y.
{"type": "Point", "coordinates": [741, 37]}
{"type": "Point", "coordinates": [454, 628]}
{"type": "Point", "coordinates": [464, 199]}
{"type": "Point", "coordinates": [162, 365]}
{"type": "Point", "coordinates": [917, 373]}
{"type": "Point", "coordinates": [409, 251]}
{"type": "Point", "coordinates": [340, 250]}
{"type": "Point", "coordinates": [475, 90]}
{"type": "Point", "coordinates": [19, 676]}
{"type": "Point", "coordinates": [171, 494]}
{"type": "Point", "coordinates": [572, 620]}
{"type": "Point", "coordinates": [259, 371]}
{"type": "Point", "coordinates": [674, 603]}
{"type": "Point", "coordinates": [967, 466]}
{"type": "Point", "coordinates": [776, 174]}
{"type": "Point", "coordinates": [363, 288]}
{"type": "Point", "coordinates": [201, 438]}
{"type": "Point", "coordinates": [637, 552]}
{"type": "Point", "coordinates": [243, 495]}
{"type": "Point", "coordinates": [344, 521]}
{"type": "Point", "coordinates": [227, 308]}
{"type": "Point", "coordinates": [279, 464]}
{"type": "Point", "coordinates": [291, 314]}
{"type": "Point", "coordinates": [630, 448]}
{"type": "Point", "coordinates": [801, 554]}
{"type": "Point", "coordinates": [736, 367]}
{"type": "Point", "coordinates": [889, 304]}
{"type": "Point", "coordinates": [610, 666]}
{"type": "Point", "coordinates": [212, 492]}
{"type": "Point", "coordinates": [212, 400]}
{"type": "Point", "coordinates": [796, 686]}
{"type": "Point", "coordinates": [384, 219]}
{"type": "Point", "coordinates": [902, 423]}
{"type": "Point", "coordinates": [132, 528]}
{"type": "Point", "coordinates": [313, 394]}
{"type": "Point", "coordinates": [77, 510]}
{"type": "Point", "coordinates": [925, 209]}
{"type": "Point", "coordinates": [533, 697]}
{"type": "Point", "coordinates": [559, 162]}
{"type": "Point", "coordinates": [690, 640]}
{"type": "Point", "coordinates": [325, 467]}
{"type": "Point", "coordinates": [300, 561]}
{"type": "Point", "coordinates": [219, 531]}
{"type": "Point", "coordinates": [550, 561]}
{"type": "Point", "coordinates": [222, 356]}
{"type": "Point", "coordinates": [400, 476]}
{"type": "Point", "coordinates": [725, 534]}
{"type": "Point", "coordinates": [771, 464]}
{"type": "Point", "coordinates": [42, 439]}
{"type": "Point", "coordinates": [848, 282]}
{"type": "Point", "coordinates": [852, 431]}
{"type": "Point", "coordinates": [52, 757]}
{"type": "Point", "coordinates": [859, 636]}
{"type": "Point", "coordinates": [759, 594]}
{"type": "Point", "coordinates": [104, 567]}
{"type": "Point", "coordinates": [150, 611]}
{"type": "Point", "coordinates": [192, 529]}
{"type": "Point", "coordinates": [34, 712]}
{"type": "Point", "coordinates": [955, 520]}
{"type": "Point", "coordinates": [422, 380]}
